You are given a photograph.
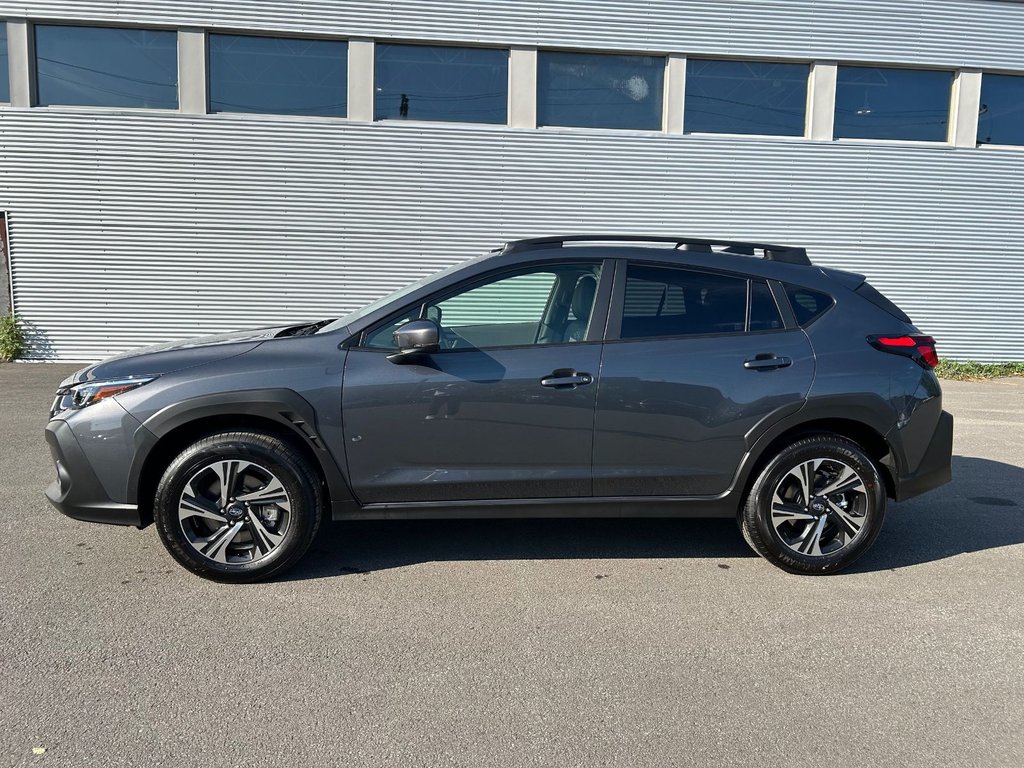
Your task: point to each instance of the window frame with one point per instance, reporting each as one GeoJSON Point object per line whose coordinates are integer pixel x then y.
{"type": "Point", "coordinates": [945, 143]}
{"type": "Point", "coordinates": [808, 97]}
{"type": "Point", "coordinates": [596, 328]}
{"type": "Point", "coordinates": [506, 49]}
{"type": "Point", "coordinates": [34, 65]}
{"type": "Point", "coordinates": [274, 35]}
{"type": "Point", "coordinates": [993, 145]}
{"type": "Point", "coordinates": [617, 303]}
{"type": "Point", "coordinates": [608, 52]}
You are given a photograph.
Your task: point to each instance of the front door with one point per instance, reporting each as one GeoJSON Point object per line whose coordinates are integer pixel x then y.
{"type": "Point", "coordinates": [504, 411]}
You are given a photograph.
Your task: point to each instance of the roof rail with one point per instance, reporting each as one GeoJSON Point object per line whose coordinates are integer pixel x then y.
{"type": "Point", "coordinates": [783, 253]}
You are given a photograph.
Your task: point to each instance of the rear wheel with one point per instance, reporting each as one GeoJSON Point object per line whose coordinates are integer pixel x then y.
{"type": "Point", "coordinates": [816, 507]}
{"type": "Point", "coordinates": [238, 507]}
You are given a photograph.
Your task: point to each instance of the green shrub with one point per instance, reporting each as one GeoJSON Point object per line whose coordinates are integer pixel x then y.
{"type": "Point", "coordinates": [12, 338]}
{"type": "Point", "coordinates": [950, 369]}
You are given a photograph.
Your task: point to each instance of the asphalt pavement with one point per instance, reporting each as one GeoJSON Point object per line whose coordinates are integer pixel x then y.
{"type": "Point", "coordinates": [520, 643]}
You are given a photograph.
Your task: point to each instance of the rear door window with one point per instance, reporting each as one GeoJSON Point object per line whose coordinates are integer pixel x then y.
{"type": "Point", "coordinates": [666, 301]}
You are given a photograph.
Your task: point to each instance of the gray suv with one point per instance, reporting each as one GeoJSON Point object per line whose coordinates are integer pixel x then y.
{"type": "Point", "coordinates": [562, 377]}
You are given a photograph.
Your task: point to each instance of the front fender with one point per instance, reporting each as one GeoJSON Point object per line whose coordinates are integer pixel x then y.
{"type": "Point", "coordinates": [284, 407]}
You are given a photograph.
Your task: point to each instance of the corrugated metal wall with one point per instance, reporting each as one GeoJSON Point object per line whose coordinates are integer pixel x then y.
{"type": "Point", "coordinates": [133, 228]}
{"type": "Point", "coordinates": [951, 32]}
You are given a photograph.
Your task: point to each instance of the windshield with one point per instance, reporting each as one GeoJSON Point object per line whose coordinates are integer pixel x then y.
{"type": "Point", "coordinates": [397, 296]}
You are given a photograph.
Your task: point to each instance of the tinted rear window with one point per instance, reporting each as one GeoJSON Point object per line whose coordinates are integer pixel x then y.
{"type": "Point", "coordinates": [869, 292]}
{"type": "Point", "coordinates": [807, 304]}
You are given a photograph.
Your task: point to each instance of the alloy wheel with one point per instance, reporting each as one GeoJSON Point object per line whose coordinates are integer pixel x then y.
{"type": "Point", "coordinates": [819, 507]}
{"type": "Point", "coordinates": [234, 511]}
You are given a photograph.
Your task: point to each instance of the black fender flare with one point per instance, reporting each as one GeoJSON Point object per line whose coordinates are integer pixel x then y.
{"type": "Point", "coordinates": [868, 410]}
{"type": "Point", "coordinates": [285, 407]}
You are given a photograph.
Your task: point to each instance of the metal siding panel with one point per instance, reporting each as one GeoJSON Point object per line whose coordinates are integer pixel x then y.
{"type": "Point", "coordinates": [129, 229]}
{"type": "Point", "coordinates": [982, 33]}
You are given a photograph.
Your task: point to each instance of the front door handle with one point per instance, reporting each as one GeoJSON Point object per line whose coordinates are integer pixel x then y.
{"type": "Point", "coordinates": [767, 362]}
{"type": "Point", "coordinates": [566, 378]}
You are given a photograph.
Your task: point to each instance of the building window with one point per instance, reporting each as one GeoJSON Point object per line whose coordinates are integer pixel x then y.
{"type": "Point", "coordinates": [886, 103]}
{"type": "Point", "coordinates": [433, 82]}
{"type": "Point", "coordinates": [106, 67]}
{"type": "Point", "coordinates": [1002, 110]}
{"type": "Point", "coordinates": [757, 97]}
{"type": "Point", "coordinates": [278, 75]}
{"type": "Point", "coordinates": [599, 90]}
{"type": "Point", "coordinates": [5, 79]}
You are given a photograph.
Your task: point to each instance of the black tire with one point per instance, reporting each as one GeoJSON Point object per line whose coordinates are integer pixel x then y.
{"type": "Point", "coordinates": [767, 541]}
{"type": "Point", "coordinates": [291, 469]}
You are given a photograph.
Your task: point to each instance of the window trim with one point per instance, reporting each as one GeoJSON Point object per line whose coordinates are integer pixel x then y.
{"type": "Point", "coordinates": [949, 142]}
{"type": "Point", "coordinates": [420, 44]}
{"type": "Point", "coordinates": [808, 96]}
{"type": "Point", "coordinates": [663, 101]}
{"type": "Point", "coordinates": [33, 64]}
{"type": "Point", "coordinates": [616, 306]}
{"type": "Point", "coordinates": [595, 328]}
{"type": "Point", "coordinates": [211, 112]}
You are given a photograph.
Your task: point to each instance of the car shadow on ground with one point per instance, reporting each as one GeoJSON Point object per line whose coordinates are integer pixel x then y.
{"type": "Point", "coordinates": [981, 509]}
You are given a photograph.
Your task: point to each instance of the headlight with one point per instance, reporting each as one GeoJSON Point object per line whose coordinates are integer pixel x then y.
{"type": "Point", "coordinates": [91, 392]}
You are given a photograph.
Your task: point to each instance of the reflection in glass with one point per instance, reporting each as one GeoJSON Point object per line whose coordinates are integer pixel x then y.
{"type": "Point", "coordinates": [886, 103]}
{"type": "Point", "coordinates": [106, 67]}
{"type": "Point", "coordinates": [755, 97]}
{"type": "Point", "coordinates": [1002, 110]}
{"type": "Point", "coordinates": [278, 75]}
{"type": "Point", "coordinates": [600, 90]}
{"type": "Point", "coordinates": [431, 82]}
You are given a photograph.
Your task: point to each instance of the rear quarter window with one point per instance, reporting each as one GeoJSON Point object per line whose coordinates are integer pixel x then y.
{"type": "Point", "coordinates": [808, 305]}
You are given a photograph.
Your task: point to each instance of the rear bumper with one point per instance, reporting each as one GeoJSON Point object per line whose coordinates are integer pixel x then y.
{"type": "Point", "coordinates": [935, 468]}
{"type": "Point", "coordinates": [77, 492]}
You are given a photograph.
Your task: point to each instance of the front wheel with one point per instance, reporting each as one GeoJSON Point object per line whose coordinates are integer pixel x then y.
{"type": "Point", "coordinates": [816, 507]}
{"type": "Point", "coordinates": [238, 507]}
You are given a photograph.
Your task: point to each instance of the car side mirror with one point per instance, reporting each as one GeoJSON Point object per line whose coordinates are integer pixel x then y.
{"type": "Point", "coordinates": [417, 337]}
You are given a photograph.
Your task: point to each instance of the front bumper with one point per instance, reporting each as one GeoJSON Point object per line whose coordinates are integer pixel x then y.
{"type": "Point", "coordinates": [935, 467]}
{"type": "Point", "coordinates": [77, 492]}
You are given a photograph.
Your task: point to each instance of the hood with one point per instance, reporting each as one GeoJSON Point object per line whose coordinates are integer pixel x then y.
{"type": "Point", "coordinates": [174, 356]}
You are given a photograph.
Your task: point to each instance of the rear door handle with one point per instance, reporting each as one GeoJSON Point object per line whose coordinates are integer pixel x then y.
{"type": "Point", "coordinates": [767, 362]}
{"type": "Point", "coordinates": [566, 378]}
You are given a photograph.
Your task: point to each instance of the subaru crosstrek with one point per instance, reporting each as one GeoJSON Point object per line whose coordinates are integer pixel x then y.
{"type": "Point", "coordinates": [560, 377]}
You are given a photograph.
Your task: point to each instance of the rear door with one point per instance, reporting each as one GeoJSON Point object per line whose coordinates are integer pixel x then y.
{"type": "Point", "coordinates": [695, 362]}
{"type": "Point", "coordinates": [504, 411]}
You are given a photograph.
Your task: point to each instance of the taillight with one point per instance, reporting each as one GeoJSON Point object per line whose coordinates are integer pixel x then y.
{"type": "Point", "coordinates": [921, 349]}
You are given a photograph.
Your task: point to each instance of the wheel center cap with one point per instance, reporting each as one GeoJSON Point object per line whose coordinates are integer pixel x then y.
{"type": "Point", "coordinates": [818, 505]}
{"type": "Point", "coordinates": [236, 510]}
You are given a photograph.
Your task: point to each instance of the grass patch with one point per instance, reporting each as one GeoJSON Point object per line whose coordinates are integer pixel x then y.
{"type": "Point", "coordinates": [12, 338]}
{"type": "Point", "coordinates": [950, 369]}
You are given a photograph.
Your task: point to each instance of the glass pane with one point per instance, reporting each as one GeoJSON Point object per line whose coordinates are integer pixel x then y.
{"type": "Point", "coordinates": [745, 97]}
{"type": "Point", "coordinates": [807, 304]}
{"type": "Point", "coordinates": [278, 75]}
{"type": "Point", "coordinates": [429, 82]}
{"type": "Point", "coordinates": [1002, 110]}
{"type": "Point", "coordinates": [675, 302]}
{"type": "Point", "coordinates": [5, 80]}
{"type": "Point", "coordinates": [550, 305]}
{"type": "Point", "coordinates": [600, 91]}
{"type": "Point", "coordinates": [905, 104]}
{"type": "Point", "coordinates": [94, 66]}
{"type": "Point", "coordinates": [764, 314]}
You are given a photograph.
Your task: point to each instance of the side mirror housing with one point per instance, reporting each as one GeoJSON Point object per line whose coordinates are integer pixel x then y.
{"type": "Point", "coordinates": [417, 337]}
